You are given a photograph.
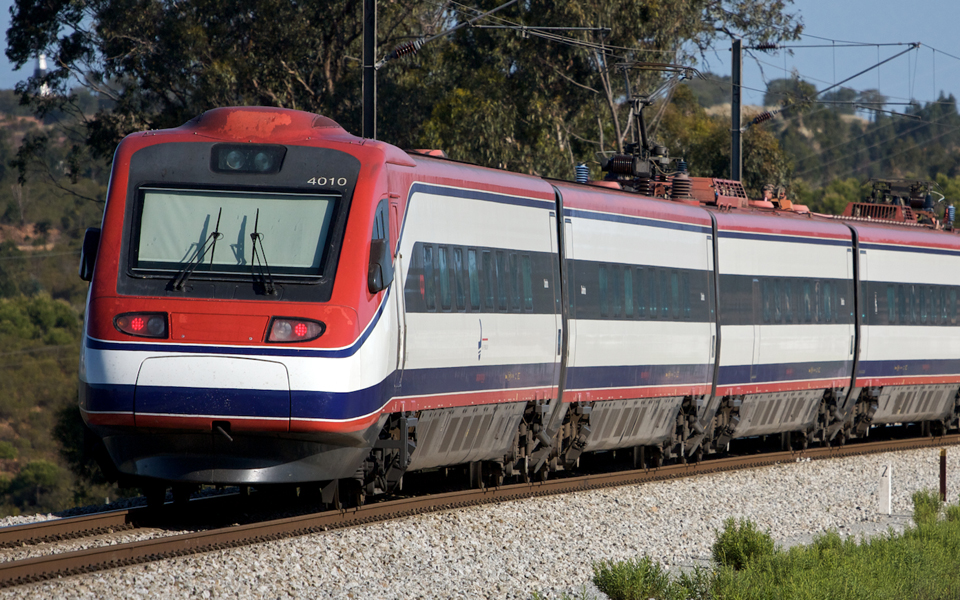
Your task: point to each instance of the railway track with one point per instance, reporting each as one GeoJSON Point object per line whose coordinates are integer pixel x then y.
{"type": "Point", "coordinates": [20, 572]}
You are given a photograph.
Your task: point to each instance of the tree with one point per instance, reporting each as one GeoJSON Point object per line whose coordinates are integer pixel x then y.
{"type": "Point", "coordinates": [160, 63]}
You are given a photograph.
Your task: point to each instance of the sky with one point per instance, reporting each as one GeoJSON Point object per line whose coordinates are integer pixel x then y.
{"type": "Point", "coordinates": [919, 74]}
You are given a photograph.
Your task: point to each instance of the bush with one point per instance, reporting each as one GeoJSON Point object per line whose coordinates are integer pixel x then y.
{"type": "Point", "coordinates": [927, 506]}
{"type": "Point", "coordinates": [635, 579]}
{"type": "Point", "coordinates": [740, 543]}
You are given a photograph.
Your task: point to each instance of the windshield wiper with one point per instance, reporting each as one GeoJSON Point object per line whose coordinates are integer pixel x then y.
{"type": "Point", "coordinates": [259, 261]}
{"type": "Point", "coordinates": [210, 244]}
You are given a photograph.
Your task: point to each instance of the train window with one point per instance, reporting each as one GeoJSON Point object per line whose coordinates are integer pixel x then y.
{"type": "Point", "coordinates": [817, 301]}
{"type": "Point", "coordinates": [787, 301]}
{"type": "Point", "coordinates": [474, 276]}
{"type": "Point", "coordinates": [891, 305]}
{"type": "Point", "coordinates": [527, 283]}
{"type": "Point", "coordinates": [501, 280]}
{"type": "Point", "coordinates": [641, 298]}
{"type": "Point", "coordinates": [458, 278]}
{"type": "Point", "coordinates": [934, 295]}
{"type": "Point", "coordinates": [664, 294]}
{"type": "Point", "coordinates": [943, 306]}
{"type": "Point", "coordinates": [807, 303]}
{"type": "Point", "coordinates": [489, 277]}
{"type": "Point", "coordinates": [685, 294]}
{"type": "Point", "coordinates": [429, 296]}
{"type": "Point", "coordinates": [914, 305]}
{"type": "Point", "coordinates": [444, 272]}
{"type": "Point", "coordinates": [380, 222]}
{"type": "Point", "coordinates": [653, 305]}
{"type": "Point", "coordinates": [675, 294]}
{"type": "Point", "coordinates": [615, 290]}
{"type": "Point", "coordinates": [777, 302]}
{"type": "Point", "coordinates": [951, 310]}
{"type": "Point", "coordinates": [923, 305]}
{"type": "Point", "coordinates": [765, 299]}
{"type": "Point", "coordinates": [628, 292]}
{"type": "Point", "coordinates": [827, 302]}
{"type": "Point", "coordinates": [513, 277]}
{"type": "Point", "coordinates": [602, 285]}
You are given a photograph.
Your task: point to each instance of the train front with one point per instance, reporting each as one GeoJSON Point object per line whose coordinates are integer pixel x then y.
{"type": "Point", "coordinates": [235, 329]}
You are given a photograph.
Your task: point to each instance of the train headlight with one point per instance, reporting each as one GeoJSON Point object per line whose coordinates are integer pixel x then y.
{"type": "Point", "coordinates": [287, 329]}
{"type": "Point", "coordinates": [153, 325]}
{"type": "Point", "coordinates": [247, 158]}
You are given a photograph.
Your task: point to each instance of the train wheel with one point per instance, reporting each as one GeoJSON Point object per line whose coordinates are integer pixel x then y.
{"type": "Point", "coordinates": [156, 494]}
{"type": "Point", "coordinates": [182, 493]}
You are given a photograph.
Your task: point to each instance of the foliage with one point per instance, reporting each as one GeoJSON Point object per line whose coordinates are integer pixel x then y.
{"type": "Point", "coordinates": [927, 506]}
{"type": "Point", "coordinates": [634, 579]}
{"type": "Point", "coordinates": [741, 543]}
{"type": "Point", "coordinates": [534, 102]}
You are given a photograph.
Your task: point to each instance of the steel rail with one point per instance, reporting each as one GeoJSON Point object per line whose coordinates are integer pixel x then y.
{"type": "Point", "coordinates": [85, 561]}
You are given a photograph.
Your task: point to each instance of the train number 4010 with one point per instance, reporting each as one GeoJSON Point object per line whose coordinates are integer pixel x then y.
{"type": "Point", "coordinates": [340, 181]}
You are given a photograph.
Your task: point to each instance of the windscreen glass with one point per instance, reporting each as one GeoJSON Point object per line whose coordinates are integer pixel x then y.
{"type": "Point", "coordinates": [291, 230]}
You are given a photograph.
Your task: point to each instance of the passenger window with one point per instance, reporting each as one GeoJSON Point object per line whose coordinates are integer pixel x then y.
{"type": "Point", "coordinates": [817, 301]}
{"type": "Point", "coordinates": [787, 301]}
{"type": "Point", "coordinates": [765, 299]}
{"type": "Point", "coordinates": [429, 295]}
{"type": "Point", "coordinates": [527, 283]}
{"type": "Point", "coordinates": [641, 297]}
{"type": "Point", "coordinates": [903, 309]}
{"type": "Point", "coordinates": [924, 299]}
{"type": "Point", "coordinates": [653, 305]}
{"type": "Point", "coordinates": [891, 305]}
{"type": "Point", "coordinates": [502, 278]}
{"type": "Point", "coordinates": [603, 289]}
{"type": "Point", "coordinates": [807, 303]}
{"type": "Point", "coordinates": [444, 273]}
{"type": "Point", "coordinates": [914, 304]}
{"type": "Point", "coordinates": [664, 295]}
{"type": "Point", "coordinates": [685, 294]}
{"type": "Point", "coordinates": [474, 275]}
{"type": "Point", "coordinates": [675, 294]}
{"type": "Point", "coordinates": [489, 277]}
{"type": "Point", "coordinates": [953, 306]}
{"type": "Point", "coordinates": [513, 276]}
{"type": "Point", "coordinates": [943, 306]}
{"type": "Point", "coordinates": [615, 290]}
{"type": "Point", "coordinates": [777, 302]}
{"type": "Point", "coordinates": [827, 302]}
{"type": "Point", "coordinates": [458, 278]}
{"type": "Point", "coordinates": [628, 292]}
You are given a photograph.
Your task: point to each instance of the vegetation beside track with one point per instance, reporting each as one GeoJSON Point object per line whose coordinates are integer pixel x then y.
{"type": "Point", "coordinates": [923, 562]}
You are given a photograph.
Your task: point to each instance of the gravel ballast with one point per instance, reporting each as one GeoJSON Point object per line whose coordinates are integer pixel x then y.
{"type": "Point", "coordinates": [543, 545]}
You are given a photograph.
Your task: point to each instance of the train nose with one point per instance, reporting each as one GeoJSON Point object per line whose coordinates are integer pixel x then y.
{"type": "Point", "coordinates": [181, 392]}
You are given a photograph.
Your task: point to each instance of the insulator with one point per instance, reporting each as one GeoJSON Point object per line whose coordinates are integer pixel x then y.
{"type": "Point", "coordinates": [951, 213]}
{"type": "Point", "coordinates": [682, 166]}
{"type": "Point", "coordinates": [642, 185]}
{"type": "Point", "coordinates": [766, 46]}
{"type": "Point", "coordinates": [682, 187]}
{"type": "Point", "coordinates": [621, 164]}
{"type": "Point", "coordinates": [407, 48]}
{"type": "Point", "coordinates": [583, 173]}
{"type": "Point", "coordinates": [764, 116]}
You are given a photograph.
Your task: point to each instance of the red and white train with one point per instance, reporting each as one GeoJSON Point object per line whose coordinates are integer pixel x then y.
{"type": "Point", "coordinates": [276, 301]}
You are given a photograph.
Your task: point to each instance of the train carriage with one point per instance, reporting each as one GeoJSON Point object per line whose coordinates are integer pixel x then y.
{"type": "Point", "coordinates": [276, 301]}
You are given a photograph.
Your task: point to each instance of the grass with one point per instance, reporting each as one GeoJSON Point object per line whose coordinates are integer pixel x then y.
{"type": "Point", "coordinates": [922, 563]}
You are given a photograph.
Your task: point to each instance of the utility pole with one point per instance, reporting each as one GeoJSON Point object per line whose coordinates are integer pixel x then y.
{"type": "Point", "coordinates": [736, 146]}
{"type": "Point", "coordinates": [369, 69]}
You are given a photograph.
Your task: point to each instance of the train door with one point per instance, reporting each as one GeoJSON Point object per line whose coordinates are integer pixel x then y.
{"type": "Point", "coordinates": [757, 316]}
{"type": "Point", "coordinates": [572, 291]}
{"type": "Point", "coordinates": [867, 306]}
{"type": "Point", "coordinates": [397, 291]}
{"type": "Point", "coordinates": [557, 291]}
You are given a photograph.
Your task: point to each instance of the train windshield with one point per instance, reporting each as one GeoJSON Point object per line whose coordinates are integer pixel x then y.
{"type": "Point", "coordinates": [220, 229]}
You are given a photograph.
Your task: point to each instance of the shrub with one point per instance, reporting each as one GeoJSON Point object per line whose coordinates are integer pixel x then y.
{"type": "Point", "coordinates": [741, 542]}
{"type": "Point", "coordinates": [634, 579]}
{"type": "Point", "coordinates": [926, 506]}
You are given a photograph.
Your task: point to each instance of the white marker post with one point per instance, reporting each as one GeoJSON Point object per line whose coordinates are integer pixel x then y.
{"type": "Point", "coordinates": [885, 477]}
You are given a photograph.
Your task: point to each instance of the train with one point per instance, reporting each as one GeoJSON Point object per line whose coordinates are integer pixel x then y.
{"type": "Point", "coordinates": [274, 301]}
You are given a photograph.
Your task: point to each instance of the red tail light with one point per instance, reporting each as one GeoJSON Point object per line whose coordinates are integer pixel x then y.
{"type": "Point", "coordinates": [153, 325]}
{"type": "Point", "coordinates": [286, 329]}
